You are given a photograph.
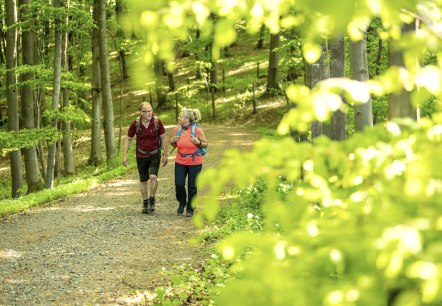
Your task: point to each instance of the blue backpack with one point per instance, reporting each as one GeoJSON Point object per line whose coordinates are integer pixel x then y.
{"type": "Point", "coordinates": [199, 151]}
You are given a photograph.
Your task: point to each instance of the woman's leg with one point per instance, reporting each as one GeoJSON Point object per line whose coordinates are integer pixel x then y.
{"type": "Point", "coordinates": [180, 186]}
{"type": "Point", "coordinates": [191, 187]}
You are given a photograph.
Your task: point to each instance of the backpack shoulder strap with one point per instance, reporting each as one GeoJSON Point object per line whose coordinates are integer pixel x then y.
{"type": "Point", "coordinates": [193, 129]}
{"type": "Point", "coordinates": [178, 132]}
{"type": "Point", "coordinates": [155, 121]}
{"type": "Point", "coordinates": [137, 125]}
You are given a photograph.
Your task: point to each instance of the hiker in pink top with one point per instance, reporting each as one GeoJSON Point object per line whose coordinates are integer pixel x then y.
{"type": "Point", "coordinates": [189, 157]}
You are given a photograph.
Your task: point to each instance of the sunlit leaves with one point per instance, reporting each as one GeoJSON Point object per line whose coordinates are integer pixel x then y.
{"type": "Point", "coordinates": [149, 18]}
{"type": "Point", "coordinates": [225, 34]}
{"type": "Point", "coordinates": [360, 218]}
{"type": "Point", "coordinates": [318, 103]}
{"type": "Point", "coordinates": [312, 52]}
{"type": "Point", "coordinates": [11, 141]}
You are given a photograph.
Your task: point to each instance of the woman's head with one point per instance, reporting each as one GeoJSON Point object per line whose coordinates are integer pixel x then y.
{"type": "Point", "coordinates": [188, 114]}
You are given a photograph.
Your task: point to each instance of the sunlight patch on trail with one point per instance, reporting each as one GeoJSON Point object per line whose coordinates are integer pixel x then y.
{"type": "Point", "coordinates": [88, 208]}
{"type": "Point", "coordinates": [9, 254]}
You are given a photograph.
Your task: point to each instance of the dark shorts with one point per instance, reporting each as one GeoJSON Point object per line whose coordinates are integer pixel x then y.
{"type": "Point", "coordinates": [148, 166]}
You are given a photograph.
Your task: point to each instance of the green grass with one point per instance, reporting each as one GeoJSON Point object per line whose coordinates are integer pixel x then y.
{"type": "Point", "coordinates": [75, 186]}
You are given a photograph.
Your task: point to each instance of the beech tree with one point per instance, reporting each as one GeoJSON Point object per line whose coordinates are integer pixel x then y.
{"type": "Point", "coordinates": [106, 94]}
{"type": "Point", "coordinates": [359, 72]}
{"type": "Point", "coordinates": [272, 71]}
{"type": "Point", "coordinates": [95, 151]}
{"type": "Point", "coordinates": [33, 176]}
{"type": "Point", "coordinates": [336, 129]}
{"type": "Point", "coordinates": [68, 154]}
{"type": "Point", "coordinates": [399, 103]}
{"type": "Point", "coordinates": [52, 148]}
{"type": "Point", "coordinates": [11, 92]}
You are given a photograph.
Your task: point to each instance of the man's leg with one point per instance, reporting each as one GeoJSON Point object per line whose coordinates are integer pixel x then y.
{"type": "Point", "coordinates": [153, 178]}
{"type": "Point", "coordinates": [143, 190]}
{"type": "Point", "coordinates": [144, 176]}
{"type": "Point", "coordinates": [153, 184]}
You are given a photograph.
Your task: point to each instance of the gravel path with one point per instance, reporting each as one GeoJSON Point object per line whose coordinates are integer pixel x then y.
{"type": "Point", "coordinates": [97, 247]}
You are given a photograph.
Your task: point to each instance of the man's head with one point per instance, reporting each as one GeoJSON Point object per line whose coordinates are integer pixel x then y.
{"type": "Point", "coordinates": [145, 110]}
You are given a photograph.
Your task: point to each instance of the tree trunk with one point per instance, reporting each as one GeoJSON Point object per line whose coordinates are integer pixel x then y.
{"type": "Point", "coordinates": [313, 74]}
{"type": "Point", "coordinates": [34, 179]}
{"type": "Point", "coordinates": [95, 155]}
{"type": "Point", "coordinates": [158, 71]}
{"type": "Point", "coordinates": [337, 127]}
{"type": "Point", "coordinates": [213, 76]}
{"type": "Point", "coordinates": [260, 43]}
{"type": "Point", "coordinates": [11, 93]}
{"type": "Point", "coordinates": [399, 105]}
{"type": "Point", "coordinates": [272, 74]}
{"type": "Point", "coordinates": [171, 81]}
{"type": "Point", "coordinates": [68, 156]}
{"type": "Point", "coordinates": [2, 41]}
{"type": "Point", "coordinates": [359, 72]}
{"type": "Point", "coordinates": [55, 95]}
{"type": "Point", "coordinates": [106, 93]}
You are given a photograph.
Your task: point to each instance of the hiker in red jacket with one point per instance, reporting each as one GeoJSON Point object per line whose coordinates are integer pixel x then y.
{"type": "Point", "coordinates": [151, 146]}
{"type": "Point", "coordinates": [189, 139]}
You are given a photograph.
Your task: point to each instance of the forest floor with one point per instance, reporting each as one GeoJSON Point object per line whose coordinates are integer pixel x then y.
{"type": "Point", "coordinates": [97, 248]}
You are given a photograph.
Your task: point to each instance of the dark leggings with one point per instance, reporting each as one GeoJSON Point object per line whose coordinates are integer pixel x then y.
{"type": "Point", "coordinates": [185, 199]}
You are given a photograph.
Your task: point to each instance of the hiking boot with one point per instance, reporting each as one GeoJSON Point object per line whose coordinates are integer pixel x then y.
{"type": "Point", "coordinates": [180, 210]}
{"type": "Point", "coordinates": [145, 207]}
{"type": "Point", "coordinates": [189, 214]}
{"type": "Point", "coordinates": [151, 205]}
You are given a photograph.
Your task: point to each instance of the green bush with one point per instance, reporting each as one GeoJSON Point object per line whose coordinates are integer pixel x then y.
{"type": "Point", "coordinates": [358, 222]}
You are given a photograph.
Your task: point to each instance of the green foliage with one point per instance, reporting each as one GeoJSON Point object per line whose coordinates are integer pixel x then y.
{"type": "Point", "coordinates": [189, 285]}
{"type": "Point", "coordinates": [344, 223]}
{"type": "Point", "coordinates": [10, 141]}
{"type": "Point", "coordinates": [69, 113]}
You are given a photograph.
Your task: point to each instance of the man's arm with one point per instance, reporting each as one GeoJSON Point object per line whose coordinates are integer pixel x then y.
{"type": "Point", "coordinates": [126, 149]}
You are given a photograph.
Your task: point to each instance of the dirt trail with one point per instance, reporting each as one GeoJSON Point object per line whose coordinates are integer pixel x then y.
{"type": "Point", "coordinates": [97, 247]}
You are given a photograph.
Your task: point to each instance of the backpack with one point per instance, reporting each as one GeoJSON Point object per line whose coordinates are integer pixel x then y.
{"type": "Point", "coordinates": [199, 151]}
{"type": "Point", "coordinates": [157, 129]}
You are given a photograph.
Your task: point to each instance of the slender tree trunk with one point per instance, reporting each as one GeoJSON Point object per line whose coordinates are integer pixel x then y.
{"type": "Point", "coordinates": [34, 179]}
{"type": "Point", "coordinates": [260, 43]}
{"type": "Point", "coordinates": [313, 74]}
{"type": "Point", "coordinates": [399, 105]}
{"type": "Point", "coordinates": [272, 74]}
{"type": "Point", "coordinates": [171, 81]}
{"type": "Point", "coordinates": [337, 127]}
{"type": "Point", "coordinates": [95, 155]}
{"type": "Point", "coordinates": [2, 40]}
{"type": "Point", "coordinates": [359, 72]}
{"type": "Point", "coordinates": [11, 93]}
{"type": "Point", "coordinates": [55, 95]}
{"type": "Point", "coordinates": [213, 76]}
{"type": "Point", "coordinates": [158, 71]}
{"type": "Point", "coordinates": [106, 93]}
{"type": "Point", "coordinates": [119, 11]}
{"type": "Point", "coordinates": [68, 155]}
